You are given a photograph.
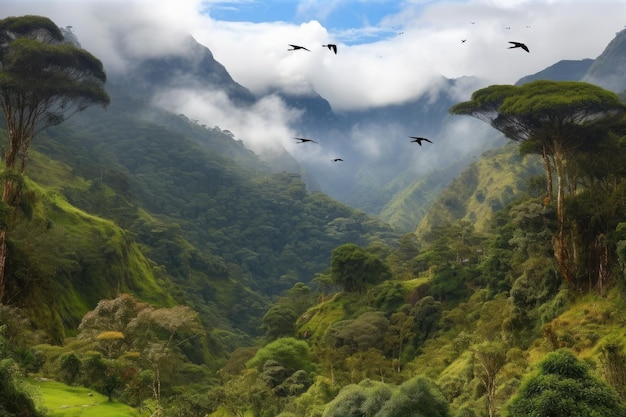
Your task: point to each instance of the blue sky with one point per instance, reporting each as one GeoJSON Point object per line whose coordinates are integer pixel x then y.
{"type": "Point", "coordinates": [348, 16]}
{"type": "Point", "coordinates": [341, 15]}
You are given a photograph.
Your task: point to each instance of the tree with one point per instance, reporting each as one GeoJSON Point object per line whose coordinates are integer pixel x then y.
{"type": "Point", "coordinates": [491, 357]}
{"type": "Point", "coordinates": [564, 387]}
{"type": "Point", "coordinates": [354, 268]}
{"type": "Point", "coordinates": [613, 362]}
{"type": "Point", "coordinates": [553, 119]}
{"type": "Point", "coordinates": [43, 80]}
{"type": "Point", "coordinates": [416, 397]}
{"type": "Point", "coordinates": [356, 400]}
{"type": "Point", "coordinates": [291, 353]}
{"type": "Point", "coordinates": [158, 332]}
{"type": "Point", "coordinates": [14, 401]}
{"type": "Point", "coordinates": [110, 342]}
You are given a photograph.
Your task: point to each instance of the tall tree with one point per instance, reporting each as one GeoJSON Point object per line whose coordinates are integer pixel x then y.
{"type": "Point", "coordinates": [43, 80]}
{"type": "Point", "coordinates": [490, 357]}
{"type": "Point", "coordinates": [553, 119]}
{"type": "Point", "coordinates": [354, 268]}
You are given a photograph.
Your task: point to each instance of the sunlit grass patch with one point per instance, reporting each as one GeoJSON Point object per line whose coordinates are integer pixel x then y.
{"type": "Point", "coordinates": [67, 401]}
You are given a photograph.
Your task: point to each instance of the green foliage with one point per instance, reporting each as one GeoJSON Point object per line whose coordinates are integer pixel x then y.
{"type": "Point", "coordinates": [280, 319]}
{"type": "Point", "coordinates": [363, 399]}
{"type": "Point", "coordinates": [203, 219]}
{"type": "Point", "coordinates": [417, 397]}
{"type": "Point", "coordinates": [291, 353]}
{"type": "Point", "coordinates": [14, 400]}
{"type": "Point", "coordinates": [613, 361]}
{"type": "Point", "coordinates": [564, 387]}
{"type": "Point", "coordinates": [355, 269]}
{"type": "Point", "coordinates": [369, 330]}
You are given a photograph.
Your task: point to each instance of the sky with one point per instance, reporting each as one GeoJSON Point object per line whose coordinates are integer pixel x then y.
{"type": "Point", "coordinates": [389, 52]}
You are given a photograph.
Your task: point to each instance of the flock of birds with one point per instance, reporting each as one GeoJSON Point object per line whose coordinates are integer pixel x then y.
{"type": "Point", "coordinates": [415, 139]}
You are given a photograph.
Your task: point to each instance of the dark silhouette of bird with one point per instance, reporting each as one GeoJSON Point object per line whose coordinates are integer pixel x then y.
{"type": "Point", "coordinates": [337, 160]}
{"type": "Point", "coordinates": [296, 47]}
{"type": "Point", "coordinates": [518, 45]}
{"type": "Point", "coordinates": [305, 140]}
{"type": "Point", "coordinates": [463, 40]}
{"type": "Point", "coordinates": [419, 140]}
{"type": "Point", "coordinates": [332, 47]}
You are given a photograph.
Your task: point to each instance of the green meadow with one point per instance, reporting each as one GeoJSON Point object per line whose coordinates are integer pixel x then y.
{"type": "Point", "coordinates": [62, 400]}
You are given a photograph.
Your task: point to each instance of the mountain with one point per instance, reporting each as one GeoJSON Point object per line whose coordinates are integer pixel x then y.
{"type": "Point", "coordinates": [193, 68]}
{"type": "Point", "coordinates": [136, 199]}
{"type": "Point", "coordinates": [373, 143]}
{"type": "Point", "coordinates": [608, 69]}
{"type": "Point", "coordinates": [565, 70]}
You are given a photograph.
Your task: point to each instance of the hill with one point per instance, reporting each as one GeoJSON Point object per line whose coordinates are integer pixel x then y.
{"type": "Point", "coordinates": [201, 211]}
{"type": "Point", "coordinates": [162, 263]}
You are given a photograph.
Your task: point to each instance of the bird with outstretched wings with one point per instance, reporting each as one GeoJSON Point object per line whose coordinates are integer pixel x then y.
{"type": "Point", "coordinates": [419, 140]}
{"type": "Point", "coordinates": [304, 140]}
{"type": "Point", "coordinates": [337, 160]}
{"type": "Point", "coordinates": [296, 47]}
{"type": "Point", "coordinates": [332, 47]}
{"type": "Point", "coordinates": [518, 45]}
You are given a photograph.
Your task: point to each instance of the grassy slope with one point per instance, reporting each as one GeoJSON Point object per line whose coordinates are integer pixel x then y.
{"type": "Point", "coordinates": [81, 258]}
{"type": "Point", "coordinates": [62, 400]}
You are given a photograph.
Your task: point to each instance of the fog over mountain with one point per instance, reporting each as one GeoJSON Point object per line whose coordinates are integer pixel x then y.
{"type": "Point", "coordinates": [360, 105]}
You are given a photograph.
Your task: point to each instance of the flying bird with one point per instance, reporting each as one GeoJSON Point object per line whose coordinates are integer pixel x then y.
{"type": "Point", "coordinates": [337, 160]}
{"type": "Point", "coordinates": [304, 140]}
{"type": "Point", "coordinates": [463, 40]}
{"type": "Point", "coordinates": [419, 140]}
{"type": "Point", "coordinates": [332, 47]}
{"type": "Point", "coordinates": [296, 47]}
{"type": "Point", "coordinates": [518, 45]}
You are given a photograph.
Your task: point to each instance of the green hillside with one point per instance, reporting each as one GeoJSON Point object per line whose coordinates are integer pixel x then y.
{"type": "Point", "coordinates": [484, 187]}
{"type": "Point", "coordinates": [160, 264]}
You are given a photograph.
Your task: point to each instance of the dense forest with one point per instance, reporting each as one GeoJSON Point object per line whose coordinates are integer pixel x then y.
{"type": "Point", "coordinates": [156, 267]}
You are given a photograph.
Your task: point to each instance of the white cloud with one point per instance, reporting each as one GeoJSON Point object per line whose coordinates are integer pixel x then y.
{"type": "Point", "coordinates": [391, 70]}
{"type": "Point", "coordinates": [262, 126]}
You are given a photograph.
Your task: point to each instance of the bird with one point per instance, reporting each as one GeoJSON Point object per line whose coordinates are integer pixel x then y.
{"type": "Point", "coordinates": [304, 140]}
{"type": "Point", "coordinates": [296, 47]}
{"type": "Point", "coordinates": [518, 45]}
{"type": "Point", "coordinates": [419, 140]}
{"type": "Point", "coordinates": [332, 47]}
{"type": "Point", "coordinates": [337, 160]}
{"type": "Point", "coordinates": [463, 40]}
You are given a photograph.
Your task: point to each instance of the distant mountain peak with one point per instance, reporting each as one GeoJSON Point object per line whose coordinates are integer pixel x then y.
{"type": "Point", "coordinates": [608, 70]}
{"type": "Point", "coordinates": [194, 68]}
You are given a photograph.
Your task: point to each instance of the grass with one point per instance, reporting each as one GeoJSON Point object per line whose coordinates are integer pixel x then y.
{"type": "Point", "coordinates": [62, 400]}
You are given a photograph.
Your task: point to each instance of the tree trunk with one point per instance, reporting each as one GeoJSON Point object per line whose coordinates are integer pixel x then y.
{"type": "Point", "coordinates": [3, 257]}
{"type": "Point", "coordinates": [548, 168]}
{"type": "Point", "coordinates": [560, 249]}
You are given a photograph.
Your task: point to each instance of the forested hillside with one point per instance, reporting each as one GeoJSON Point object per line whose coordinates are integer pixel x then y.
{"type": "Point", "coordinates": [161, 264]}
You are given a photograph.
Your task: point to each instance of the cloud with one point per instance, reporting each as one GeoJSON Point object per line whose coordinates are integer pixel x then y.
{"type": "Point", "coordinates": [391, 69]}
{"type": "Point", "coordinates": [398, 58]}
{"type": "Point", "coordinates": [404, 66]}
{"type": "Point", "coordinates": [262, 126]}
